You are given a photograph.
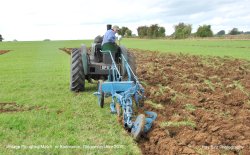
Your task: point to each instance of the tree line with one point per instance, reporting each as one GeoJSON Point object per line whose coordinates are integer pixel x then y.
{"type": "Point", "coordinates": [181, 31]}
{"type": "Point", "coordinates": [153, 31]}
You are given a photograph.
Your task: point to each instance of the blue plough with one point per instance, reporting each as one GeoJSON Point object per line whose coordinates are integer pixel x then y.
{"type": "Point", "coordinates": [122, 93]}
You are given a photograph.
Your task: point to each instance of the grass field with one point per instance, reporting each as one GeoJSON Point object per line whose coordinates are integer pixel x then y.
{"type": "Point", "coordinates": [232, 48]}
{"type": "Point", "coordinates": [35, 76]}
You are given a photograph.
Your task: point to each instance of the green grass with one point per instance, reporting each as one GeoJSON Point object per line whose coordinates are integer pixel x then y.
{"type": "Point", "coordinates": [37, 74]}
{"type": "Point", "coordinates": [155, 105]}
{"type": "Point", "coordinates": [241, 88]}
{"type": "Point", "coordinates": [210, 84]}
{"type": "Point", "coordinates": [231, 48]}
{"type": "Point", "coordinates": [178, 124]}
{"type": "Point", "coordinates": [190, 107]}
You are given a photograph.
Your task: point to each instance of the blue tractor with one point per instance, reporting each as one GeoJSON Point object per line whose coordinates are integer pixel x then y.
{"type": "Point", "coordinates": [114, 69]}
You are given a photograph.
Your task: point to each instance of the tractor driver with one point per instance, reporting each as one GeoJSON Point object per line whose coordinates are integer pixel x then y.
{"type": "Point", "coordinates": [109, 36]}
{"type": "Point", "coordinates": [109, 44]}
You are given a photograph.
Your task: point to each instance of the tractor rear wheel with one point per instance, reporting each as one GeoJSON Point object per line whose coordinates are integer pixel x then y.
{"type": "Point", "coordinates": [130, 57]}
{"type": "Point", "coordinates": [77, 76]}
{"type": "Point", "coordinates": [132, 61]}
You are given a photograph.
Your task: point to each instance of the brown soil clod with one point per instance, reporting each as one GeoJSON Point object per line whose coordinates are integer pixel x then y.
{"type": "Point", "coordinates": [14, 107]}
{"type": "Point", "coordinates": [66, 50]}
{"type": "Point", "coordinates": [69, 50]}
{"type": "Point", "coordinates": [4, 51]}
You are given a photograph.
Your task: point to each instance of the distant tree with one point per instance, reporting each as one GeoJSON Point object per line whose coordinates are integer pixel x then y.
{"type": "Point", "coordinates": [204, 31]}
{"type": "Point", "coordinates": [1, 38]}
{"type": "Point", "coordinates": [151, 31]}
{"type": "Point", "coordinates": [234, 31]}
{"type": "Point", "coordinates": [182, 31]}
{"type": "Point", "coordinates": [162, 32]}
{"type": "Point", "coordinates": [221, 32]}
{"type": "Point", "coordinates": [128, 33]}
{"type": "Point", "coordinates": [125, 32]}
{"type": "Point", "coordinates": [248, 32]}
{"type": "Point", "coordinates": [122, 31]}
{"type": "Point", "coordinates": [142, 31]}
{"type": "Point", "coordinates": [154, 31]}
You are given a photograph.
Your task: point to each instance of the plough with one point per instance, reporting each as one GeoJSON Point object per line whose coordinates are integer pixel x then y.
{"type": "Point", "coordinates": [122, 93]}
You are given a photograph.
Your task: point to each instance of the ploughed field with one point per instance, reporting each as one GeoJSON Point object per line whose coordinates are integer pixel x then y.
{"type": "Point", "coordinates": [203, 103]}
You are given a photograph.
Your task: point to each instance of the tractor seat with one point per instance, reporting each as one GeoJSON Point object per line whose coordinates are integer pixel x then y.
{"type": "Point", "coordinates": [109, 47]}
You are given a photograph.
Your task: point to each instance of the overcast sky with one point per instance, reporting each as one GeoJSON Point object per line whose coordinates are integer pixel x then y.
{"type": "Point", "coordinates": [85, 19]}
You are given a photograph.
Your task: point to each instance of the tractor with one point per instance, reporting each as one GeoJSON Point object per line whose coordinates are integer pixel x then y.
{"type": "Point", "coordinates": [114, 69]}
{"type": "Point", "coordinates": [96, 64]}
